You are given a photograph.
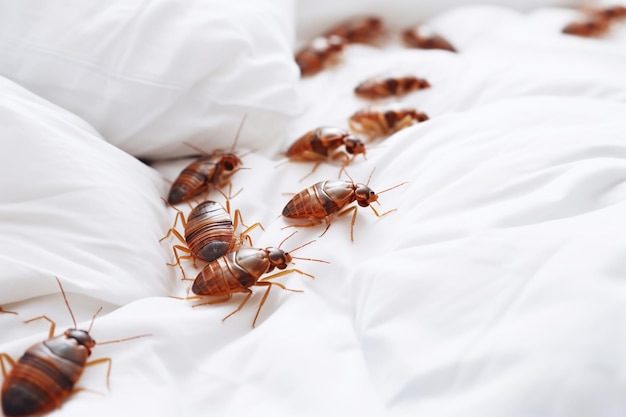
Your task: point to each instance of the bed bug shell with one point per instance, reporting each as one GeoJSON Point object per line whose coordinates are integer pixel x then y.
{"type": "Point", "coordinates": [379, 121]}
{"type": "Point", "coordinates": [389, 85]}
{"type": "Point", "coordinates": [423, 37]}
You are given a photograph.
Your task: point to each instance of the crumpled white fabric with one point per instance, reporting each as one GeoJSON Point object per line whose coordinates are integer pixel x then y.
{"type": "Point", "coordinates": [494, 289]}
{"type": "Point", "coordinates": [150, 75]}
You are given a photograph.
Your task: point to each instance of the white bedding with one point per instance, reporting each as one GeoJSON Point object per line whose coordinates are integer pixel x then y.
{"type": "Point", "coordinates": [494, 290]}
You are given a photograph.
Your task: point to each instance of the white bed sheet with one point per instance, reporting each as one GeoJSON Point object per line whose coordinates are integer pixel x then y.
{"type": "Point", "coordinates": [495, 289]}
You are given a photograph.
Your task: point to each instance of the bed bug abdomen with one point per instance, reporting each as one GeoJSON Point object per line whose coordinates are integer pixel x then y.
{"type": "Point", "coordinates": [320, 53]}
{"type": "Point", "coordinates": [44, 376]}
{"type": "Point", "coordinates": [362, 29]}
{"type": "Point", "coordinates": [210, 233]}
{"type": "Point", "coordinates": [198, 175]}
{"type": "Point", "coordinates": [232, 273]}
{"type": "Point", "coordinates": [318, 200]}
{"type": "Point", "coordinates": [192, 179]}
{"type": "Point", "coordinates": [385, 86]}
{"type": "Point", "coordinates": [423, 37]}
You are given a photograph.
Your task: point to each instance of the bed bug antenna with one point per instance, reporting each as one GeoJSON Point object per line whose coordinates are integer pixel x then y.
{"type": "Point", "coordinates": [392, 188]}
{"type": "Point", "coordinates": [232, 148]}
{"type": "Point", "coordinates": [67, 302]}
{"type": "Point", "coordinates": [285, 239]}
{"type": "Point", "coordinates": [370, 177]}
{"type": "Point", "coordinates": [125, 339]}
{"type": "Point", "coordinates": [300, 247]}
{"type": "Point", "coordinates": [93, 318]}
{"type": "Point", "coordinates": [243, 120]}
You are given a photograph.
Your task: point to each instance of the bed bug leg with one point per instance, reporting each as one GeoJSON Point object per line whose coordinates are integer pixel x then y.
{"type": "Point", "coordinates": [317, 164]}
{"type": "Point", "coordinates": [213, 301]}
{"type": "Point", "coordinates": [406, 121]}
{"type": "Point", "coordinates": [265, 282]}
{"type": "Point", "coordinates": [267, 292]}
{"type": "Point", "coordinates": [107, 360]}
{"type": "Point", "coordinates": [52, 324]}
{"type": "Point", "coordinates": [4, 357]}
{"type": "Point", "coordinates": [2, 310]}
{"type": "Point", "coordinates": [240, 306]}
{"type": "Point", "coordinates": [352, 209]}
{"type": "Point", "coordinates": [238, 219]}
{"type": "Point", "coordinates": [100, 361]}
{"type": "Point", "coordinates": [312, 223]}
{"type": "Point", "coordinates": [179, 248]}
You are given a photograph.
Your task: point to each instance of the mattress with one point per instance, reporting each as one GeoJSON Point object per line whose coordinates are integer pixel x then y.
{"type": "Point", "coordinates": [485, 282]}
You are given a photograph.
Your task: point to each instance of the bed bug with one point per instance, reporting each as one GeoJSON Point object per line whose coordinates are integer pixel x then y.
{"type": "Point", "coordinates": [423, 37]}
{"type": "Point", "coordinates": [209, 232]}
{"type": "Point", "coordinates": [320, 53]}
{"type": "Point", "coordinates": [213, 169]}
{"type": "Point", "coordinates": [239, 270]}
{"type": "Point", "coordinates": [324, 144]}
{"type": "Point", "coordinates": [591, 26]}
{"type": "Point", "coordinates": [47, 372]}
{"type": "Point", "coordinates": [210, 170]}
{"type": "Point", "coordinates": [597, 21]}
{"type": "Point", "coordinates": [362, 29]}
{"type": "Point", "coordinates": [384, 86]}
{"type": "Point", "coordinates": [326, 199]}
{"type": "Point", "coordinates": [379, 121]}
{"type": "Point", "coordinates": [613, 13]}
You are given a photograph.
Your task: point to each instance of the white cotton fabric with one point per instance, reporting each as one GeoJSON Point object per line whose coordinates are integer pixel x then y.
{"type": "Point", "coordinates": [494, 288]}
{"type": "Point", "coordinates": [150, 75]}
{"type": "Point", "coordinates": [74, 206]}
{"type": "Point", "coordinates": [315, 16]}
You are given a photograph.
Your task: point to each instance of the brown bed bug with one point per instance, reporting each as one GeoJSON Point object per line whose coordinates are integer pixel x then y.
{"type": "Point", "coordinates": [385, 86]}
{"type": "Point", "coordinates": [326, 199]}
{"type": "Point", "coordinates": [325, 144]}
{"type": "Point", "coordinates": [613, 13]}
{"type": "Point", "coordinates": [379, 121]}
{"type": "Point", "coordinates": [597, 21]}
{"type": "Point", "coordinates": [590, 26]}
{"type": "Point", "coordinates": [361, 29]}
{"type": "Point", "coordinates": [320, 53]}
{"type": "Point", "coordinates": [214, 169]}
{"type": "Point", "coordinates": [210, 232]}
{"type": "Point", "coordinates": [423, 37]}
{"type": "Point", "coordinates": [239, 270]}
{"type": "Point", "coordinates": [47, 372]}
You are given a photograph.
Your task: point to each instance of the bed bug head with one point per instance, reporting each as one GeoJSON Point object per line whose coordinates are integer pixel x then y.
{"type": "Point", "coordinates": [229, 162]}
{"type": "Point", "coordinates": [354, 146]}
{"type": "Point", "coordinates": [364, 195]}
{"type": "Point", "coordinates": [82, 337]}
{"type": "Point", "coordinates": [278, 258]}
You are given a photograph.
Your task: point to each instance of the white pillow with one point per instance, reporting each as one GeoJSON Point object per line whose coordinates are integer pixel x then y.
{"type": "Point", "coordinates": [149, 75]}
{"type": "Point", "coordinates": [74, 206]}
{"type": "Point", "coordinates": [315, 16]}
